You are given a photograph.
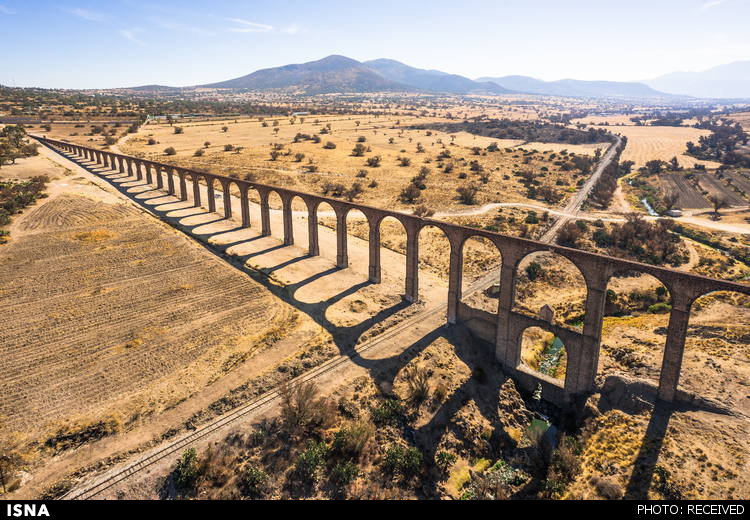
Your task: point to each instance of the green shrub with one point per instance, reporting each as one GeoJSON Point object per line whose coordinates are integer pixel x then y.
{"type": "Point", "coordinates": [343, 474]}
{"type": "Point", "coordinates": [534, 271]}
{"type": "Point", "coordinates": [186, 472]}
{"type": "Point", "coordinates": [660, 308]}
{"type": "Point", "coordinates": [310, 461]}
{"type": "Point", "coordinates": [254, 482]}
{"type": "Point", "coordinates": [404, 462]}
{"type": "Point", "coordinates": [389, 411]}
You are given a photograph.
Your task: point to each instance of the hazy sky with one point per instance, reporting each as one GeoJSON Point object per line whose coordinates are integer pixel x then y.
{"type": "Point", "coordinates": [114, 43]}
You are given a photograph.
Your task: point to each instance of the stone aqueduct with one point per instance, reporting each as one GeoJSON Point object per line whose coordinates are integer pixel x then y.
{"type": "Point", "coordinates": [504, 329]}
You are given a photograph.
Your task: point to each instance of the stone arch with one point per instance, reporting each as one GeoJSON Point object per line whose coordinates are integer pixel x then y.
{"type": "Point", "coordinates": [385, 232]}
{"type": "Point", "coordinates": [479, 256]}
{"type": "Point", "coordinates": [635, 322]}
{"type": "Point", "coordinates": [546, 280]}
{"type": "Point", "coordinates": [328, 214]}
{"type": "Point", "coordinates": [427, 242]}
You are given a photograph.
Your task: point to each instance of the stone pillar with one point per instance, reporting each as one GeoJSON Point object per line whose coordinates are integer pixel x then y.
{"type": "Point", "coordinates": [196, 191]}
{"type": "Point", "coordinates": [244, 207]}
{"type": "Point", "coordinates": [138, 170]}
{"type": "Point", "coordinates": [265, 214]}
{"type": "Point", "coordinates": [121, 162]}
{"type": "Point", "coordinates": [130, 167]}
{"type": "Point", "coordinates": [412, 263]}
{"type": "Point", "coordinates": [210, 194]}
{"type": "Point", "coordinates": [106, 160]}
{"type": "Point", "coordinates": [507, 351]}
{"type": "Point", "coordinates": [149, 178]}
{"type": "Point", "coordinates": [455, 278]}
{"type": "Point", "coordinates": [586, 362]}
{"type": "Point", "coordinates": [312, 229]}
{"type": "Point", "coordinates": [286, 205]}
{"type": "Point", "coordinates": [227, 200]}
{"type": "Point", "coordinates": [374, 245]}
{"type": "Point", "coordinates": [170, 180]}
{"type": "Point", "coordinates": [674, 349]}
{"type": "Point", "coordinates": [183, 185]}
{"type": "Point", "coordinates": [159, 178]}
{"type": "Point", "coordinates": [342, 246]}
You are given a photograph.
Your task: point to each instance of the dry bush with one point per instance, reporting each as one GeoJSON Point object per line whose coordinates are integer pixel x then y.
{"type": "Point", "coordinates": [418, 382]}
{"type": "Point", "coordinates": [302, 411]}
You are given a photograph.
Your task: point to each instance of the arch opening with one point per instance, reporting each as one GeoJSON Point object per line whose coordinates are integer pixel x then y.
{"type": "Point", "coordinates": [551, 287]}
{"type": "Point", "coordinates": [480, 256]}
{"type": "Point", "coordinates": [544, 353]}
{"type": "Point", "coordinates": [634, 328]}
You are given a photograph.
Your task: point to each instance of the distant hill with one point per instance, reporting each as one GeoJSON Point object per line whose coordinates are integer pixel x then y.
{"type": "Point", "coordinates": [155, 88]}
{"type": "Point", "coordinates": [432, 80]}
{"type": "Point", "coordinates": [725, 81]}
{"type": "Point", "coordinates": [578, 88]}
{"type": "Point", "coordinates": [329, 75]}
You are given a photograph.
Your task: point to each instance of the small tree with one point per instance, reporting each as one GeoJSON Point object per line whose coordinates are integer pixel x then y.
{"type": "Point", "coordinates": [374, 162]}
{"type": "Point", "coordinates": [225, 129]}
{"type": "Point", "coordinates": [718, 203]}
{"type": "Point", "coordinates": [359, 150]}
{"type": "Point", "coordinates": [468, 194]}
{"type": "Point", "coordinates": [410, 194]}
{"type": "Point", "coordinates": [178, 130]}
{"type": "Point", "coordinates": [170, 151]}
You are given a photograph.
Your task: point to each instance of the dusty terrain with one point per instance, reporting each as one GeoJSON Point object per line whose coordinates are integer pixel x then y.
{"type": "Point", "coordinates": [659, 142]}
{"type": "Point", "coordinates": [388, 137]}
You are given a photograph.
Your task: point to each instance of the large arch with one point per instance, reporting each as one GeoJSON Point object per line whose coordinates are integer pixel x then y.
{"type": "Point", "coordinates": [635, 325]}
{"type": "Point", "coordinates": [387, 233]}
{"type": "Point", "coordinates": [551, 286]}
{"type": "Point", "coordinates": [428, 252]}
{"type": "Point", "coordinates": [480, 256]}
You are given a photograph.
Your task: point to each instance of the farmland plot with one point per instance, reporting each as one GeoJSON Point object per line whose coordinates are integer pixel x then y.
{"type": "Point", "coordinates": [718, 188]}
{"type": "Point", "coordinates": [690, 196]}
{"type": "Point", "coordinates": [107, 310]}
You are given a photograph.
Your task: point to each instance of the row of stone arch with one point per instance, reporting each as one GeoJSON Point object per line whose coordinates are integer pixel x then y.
{"type": "Point", "coordinates": [582, 347]}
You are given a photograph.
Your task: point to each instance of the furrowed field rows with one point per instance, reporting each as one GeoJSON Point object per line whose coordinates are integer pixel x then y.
{"type": "Point", "coordinates": [741, 180]}
{"type": "Point", "coordinates": [112, 309]}
{"type": "Point", "coordinates": [716, 187]}
{"type": "Point", "coordinates": [110, 378]}
{"type": "Point", "coordinates": [108, 372]}
{"type": "Point", "coordinates": [118, 310]}
{"type": "Point", "coordinates": [690, 196]}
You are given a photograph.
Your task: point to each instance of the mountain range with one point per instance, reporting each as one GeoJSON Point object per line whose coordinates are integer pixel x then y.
{"type": "Point", "coordinates": [725, 81]}
{"type": "Point", "coordinates": [339, 74]}
{"type": "Point", "coordinates": [578, 88]}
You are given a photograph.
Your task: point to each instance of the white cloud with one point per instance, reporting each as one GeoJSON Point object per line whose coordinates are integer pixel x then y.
{"type": "Point", "coordinates": [4, 9]}
{"type": "Point", "coordinates": [292, 29]}
{"type": "Point", "coordinates": [247, 27]}
{"type": "Point", "coordinates": [711, 4]}
{"type": "Point", "coordinates": [132, 35]}
{"type": "Point", "coordinates": [85, 14]}
{"type": "Point", "coordinates": [180, 27]}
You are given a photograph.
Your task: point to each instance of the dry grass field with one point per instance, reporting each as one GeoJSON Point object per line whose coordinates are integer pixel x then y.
{"type": "Point", "coordinates": [660, 142]}
{"type": "Point", "coordinates": [119, 316]}
{"type": "Point", "coordinates": [386, 137]}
